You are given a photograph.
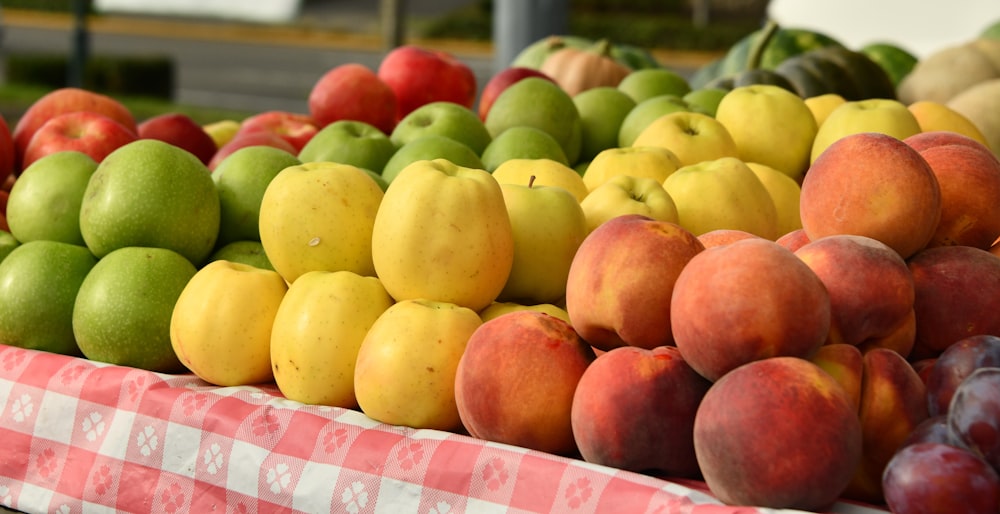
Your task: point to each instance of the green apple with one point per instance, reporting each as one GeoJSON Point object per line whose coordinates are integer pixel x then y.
{"type": "Point", "coordinates": [626, 194]}
{"type": "Point", "coordinates": [883, 115]}
{"type": "Point", "coordinates": [241, 179]}
{"type": "Point", "coordinates": [539, 103]}
{"type": "Point", "coordinates": [653, 162]}
{"type": "Point", "coordinates": [722, 193]}
{"type": "Point", "coordinates": [771, 126]}
{"type": "Point", "coordinates": [7, 244]}
{"type": "Point", "coordinates": [692, 136]}
{"type": "Point", "coordinates": [122, 311]}
{"type": "Point", "coordinates": [602, 111]}
{"type": "Point", "coordinates": [444, 119]}
{"type": "Point", "coordinates": [522, 142]}
{"type": "Point", "coordinates": [39, 281]}
{"type": "Point", "coordinates": [319, 216]}
{"type": "Point", "coordinates": [649, 82]}
{"type": "Point", "coordinates": [543, 252]}
{"type": "Point", "coordinates": [646, 112]}
{"type": "Point", "coordinates": [247, 252]}
{"type": "Point", "coordinates": [151, 193]}
{"type": "Point", "coordinates": [705, 99]}
{"type": "Point", "coordinates": [350, 142]}
{"type": "Point", "coordinates": [45, 200]}
{"type": "Point", "coordinates": [428, 148]}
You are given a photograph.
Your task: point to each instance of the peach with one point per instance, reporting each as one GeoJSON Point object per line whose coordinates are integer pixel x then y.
{"type": "Point", "coordinates": [845, 363]}
{"type": "Point", "coordinates": [969, 176]}
{"type": "Point", "coordinates": [871, 289]}
{"type": "Point", "coordinates": [793, 240]}
{"type": "Point", "coordinates": [893, 403]}
{"type": "Point", "coordinates": [721, 236]}
{"type": "Point", "coordinates": [924, 140]}
{"type": "Point", "coordinates": [872, 184]}
{"type": "Point", "coordinates": [634, 409]}
{"type": "Point", "coordinates": [621, 280]}
{"type": "Point", "coordinates": [516, 380]}
{"type": "Point", "coordinates": [779, 433]}
{"type": "Point", "coordinates": [746, 301]}
{"type": "Point", "coordinates": [955, 297]}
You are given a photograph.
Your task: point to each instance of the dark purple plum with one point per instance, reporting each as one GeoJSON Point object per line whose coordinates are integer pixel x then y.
{"type": "Point", "coordinates": [954, 364]}
{"type": "Point", "coordinates": [927, 478]}
{"type": "Point", "coordinates": [974, 414]}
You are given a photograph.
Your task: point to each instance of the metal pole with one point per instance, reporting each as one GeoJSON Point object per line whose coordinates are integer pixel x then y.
{"type": "Point", "coordinates": [518, 23]}
{"type": "Point", "coordinates": [81, 44]}
{"type": "Point", "coordinates": [391, 14]}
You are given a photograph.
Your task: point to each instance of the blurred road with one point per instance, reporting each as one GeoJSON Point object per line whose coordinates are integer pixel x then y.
{"type": "Point", "coordinates": [232, 65]}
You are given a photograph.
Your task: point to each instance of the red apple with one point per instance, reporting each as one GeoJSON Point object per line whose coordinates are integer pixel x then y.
{"type": "Point", "coordinates": [293, 127]}
{"type": "Point", "coordinates": [6, 150]}
{"type": "Point", "coordinates": [180, 130]}
{"type": "Point", "coordinates": [60, 101]}
{"type": "Point", "coordinates": [420, 76]}
{"type": "Point", "coordinates": [252, 138]}
{"type": "Point", "coordinates": [354, 92]}
{"type": "Point", "coordinates": [499, 81]}
{"type": "Point", "coordinates": [89, 132]}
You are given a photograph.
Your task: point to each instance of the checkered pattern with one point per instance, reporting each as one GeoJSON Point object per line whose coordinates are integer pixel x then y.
{"type": "Point", "coordinates": [80, 436]}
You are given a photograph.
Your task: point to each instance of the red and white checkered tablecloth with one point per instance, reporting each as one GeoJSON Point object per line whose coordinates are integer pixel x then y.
{"type": "Point", "coordinates": [80, 436]}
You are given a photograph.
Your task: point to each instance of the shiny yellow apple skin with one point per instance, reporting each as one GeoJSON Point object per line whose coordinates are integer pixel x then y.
{"type": "Point", "coordinates": [548, 225]}
{"type": "Point", "coordinates": [405, 373]}
{"type": "Point", "coordinates": [442, 233]}
{"type": "Point", "coordinates": [318, 331]}
{"type": "Point", "coordinates": [319, 216]}
{"type": "Point", "coordinates": [722, 194]}
{"type": "Point", "coordinates": [653, 162]}
{"type": "Point", "coordinates": [882, 115]}
{"type": "Point", "coordinates": [625, 194]}
{"type": "Point", "coordinates": [546, 172]}
{"type": "Point", "coordinates": [221, 324]}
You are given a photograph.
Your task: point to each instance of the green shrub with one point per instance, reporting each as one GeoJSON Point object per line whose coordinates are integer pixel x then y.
{"type": "Point", "coordinates": [151, 76]}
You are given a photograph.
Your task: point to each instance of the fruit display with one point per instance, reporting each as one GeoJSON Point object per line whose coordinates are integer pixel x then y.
{"type": "Point", "coordinates": [779, 283]}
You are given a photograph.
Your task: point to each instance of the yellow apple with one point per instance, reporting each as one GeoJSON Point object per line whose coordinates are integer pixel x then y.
{"type": "Point", "coordinates": [625, 194]}
{"type": "Point", "coordinates": [785, 194]}
{"type": "Point", "coordinates": [882, 115]}
{"type": "Point", "coordinates": [319, 216]}
{"type": "Point", "coordinates": [822, 105]}
{"type": "Point", "coordinates": [497, 309]}
{"type": "Point", "coordinates": [770, 125]}
{"type": "Point", "coordinates": [221, 324]}
{"type": "Point", "coordinates": [722, 194]}
{"type": "Point", "coordinates": [318, 331]}
{"type": "Point", "coordinates": [442, 232]}
{"type": "Point", "coordinates": [548, 226]}
{"type": "Point", "coordinates": [547, 172]}
{"type": "Point", "coordinates": [692, 136]}
{"type": "Point", "coordinates": [933, 116]}
{"type": "Point", "coordinates": [655, 162]}
{"type": "Point", "coordinates": [221, 131]}
{"type": "Point", "coordinates": [405, 372]}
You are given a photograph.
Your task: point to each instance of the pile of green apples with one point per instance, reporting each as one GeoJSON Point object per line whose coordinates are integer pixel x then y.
{"type": "Point", "coordinates": [630, 275]}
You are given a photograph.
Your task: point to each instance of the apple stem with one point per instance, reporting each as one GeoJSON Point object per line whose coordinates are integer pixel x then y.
{"type": "Point", "coordinates": [531, 181]}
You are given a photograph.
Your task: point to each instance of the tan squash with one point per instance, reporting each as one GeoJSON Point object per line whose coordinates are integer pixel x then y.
{"type": "Point", "coordinates": [949, 71]}
{"type": "Point", "coordinates": [580, 69]}
{"type": "Point", "coordinates": [981, 105]}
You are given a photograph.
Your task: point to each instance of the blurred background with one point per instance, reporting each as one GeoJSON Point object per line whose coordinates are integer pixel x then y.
{"type": "Point", "coordinates": [223, 58]}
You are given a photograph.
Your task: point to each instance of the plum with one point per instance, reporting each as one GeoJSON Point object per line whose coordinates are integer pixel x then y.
{"type": "Point", "coordinates": [929, 477]}
{"type": "Point", "coordinates": [954, 364]}
{"type": "Point", "coordinates": [974, 414]}
{"type": "Point", "coordinates": [931, 430]}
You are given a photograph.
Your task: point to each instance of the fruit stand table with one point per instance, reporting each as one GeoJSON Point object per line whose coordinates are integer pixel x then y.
{"type": "Point", "coordinates": [80, 436]}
